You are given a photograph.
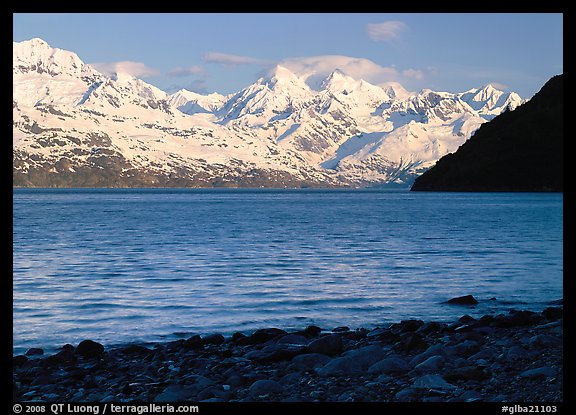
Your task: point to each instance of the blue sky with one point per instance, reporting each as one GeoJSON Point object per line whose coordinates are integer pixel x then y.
{"type": "Point", "coordinates": [225, 52]}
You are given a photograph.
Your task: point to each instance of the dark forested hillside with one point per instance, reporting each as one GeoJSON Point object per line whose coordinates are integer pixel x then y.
{"type": "Point", "coordinates": [519, 150]}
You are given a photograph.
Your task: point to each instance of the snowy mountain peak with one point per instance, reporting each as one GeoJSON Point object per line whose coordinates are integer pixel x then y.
{"type": "Point", "coordinates": [190, 102]}
{"type": "Point", "coordinates": [337, 75]}
{"type": "Point", "coordinates": [395, 91]}
{"type": "Point", "coordinates": [281, 77]}
{"type": "Point", "coordinates": [34, 43]}
{"type": "Point", "coordinates": [489, 88]}
{"type": "Point", "coordinates": [489, 101]}
{"type": "Point", "coordinates": [280, 72]}
{"type": "Point", "coordinates": [486, 93]}
{"type": "Point", "coordinates": [36, 55]}
{"type": "Point", "coordinates": [182, 96]}
{"type": "Point", "coordinates": [338, 81]}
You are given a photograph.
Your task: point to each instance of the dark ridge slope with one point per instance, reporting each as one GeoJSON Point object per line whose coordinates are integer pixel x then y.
{"type": "Point", "coordinates": [518, 150]}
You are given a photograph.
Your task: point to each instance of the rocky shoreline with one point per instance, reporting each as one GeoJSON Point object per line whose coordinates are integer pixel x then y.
{"type": "Point", "coordinates": [514, 357]}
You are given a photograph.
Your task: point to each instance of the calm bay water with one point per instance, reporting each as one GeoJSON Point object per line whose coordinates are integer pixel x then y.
{"type": "Point", "coordinates": [136, 265]}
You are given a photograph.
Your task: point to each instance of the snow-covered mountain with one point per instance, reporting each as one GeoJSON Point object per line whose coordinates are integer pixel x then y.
{"type": "Point", "coordinates": [75, 126]}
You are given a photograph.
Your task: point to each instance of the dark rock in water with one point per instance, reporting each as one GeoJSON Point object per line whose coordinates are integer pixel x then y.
{"type": "Point", "coordinates": [215, 338]}
{"type": "Point", "coordinates": [265, 387]}
{"type": "Point", "coordinates": [330, 345]}
{"type": "Point", "coordinates": [33, 351]}
{"type": "Point", "coordinates": [89, 348]}
{"type": "Point", "coordinates": [553, 313]}
{"type": "Point", "coordinates": [557, 302]}
{"type": "Point", "coordinates": [19, 360]}
{"type": "Point", "coordinates": [464, 300]}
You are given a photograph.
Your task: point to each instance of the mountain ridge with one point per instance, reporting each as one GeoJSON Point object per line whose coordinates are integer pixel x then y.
{"type": "Point", "coordinates": [75, 126]}
{"type": "Point", "coordinates": [518, 150]}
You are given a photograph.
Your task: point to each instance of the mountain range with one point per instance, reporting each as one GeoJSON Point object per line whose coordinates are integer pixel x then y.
{"type": "Point", "coordinates": [74, 126]}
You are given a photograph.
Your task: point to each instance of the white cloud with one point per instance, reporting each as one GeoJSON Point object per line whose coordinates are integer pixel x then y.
{"type": "Point", "coordinates": [498, 85]}
{"type": "Point", "coordinates": [315, 68]}
{"type": "Point", "coordinates": [180, 71]}
{"type": "Point", "coordinates": [385, 31]}
{"type": "Point", "coordinates": [230, 59]}
{"type": "Point", "coordinates": [413, 73]}
{"type": "Point", "coordinates": [136, 69]}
